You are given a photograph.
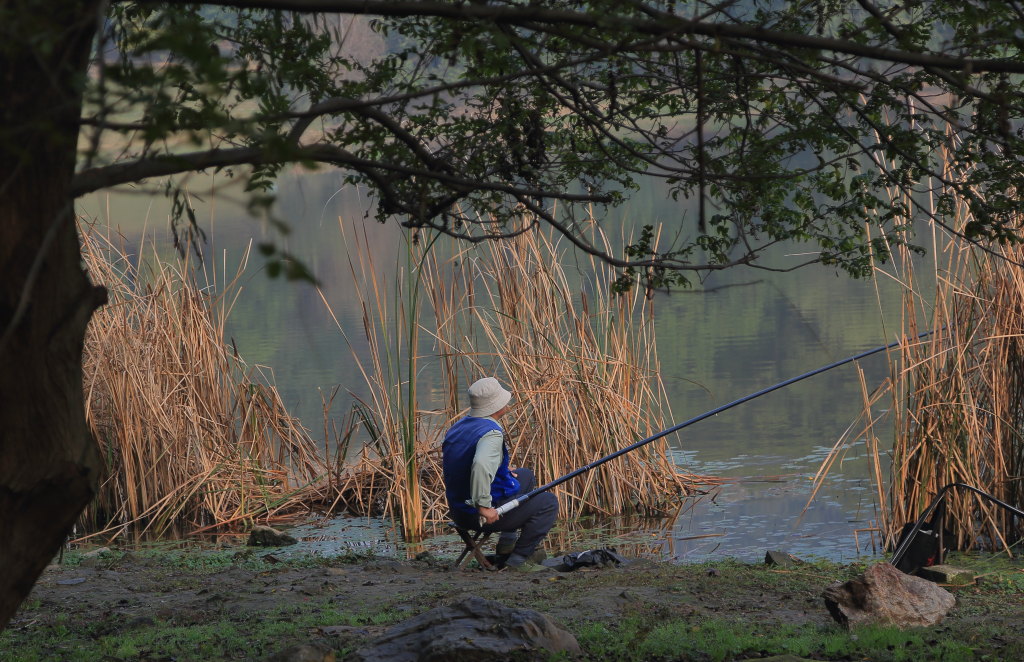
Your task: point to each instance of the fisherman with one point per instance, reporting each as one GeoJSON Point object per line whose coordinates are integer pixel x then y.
{"type": "Point", "coordinates": [477, 480]}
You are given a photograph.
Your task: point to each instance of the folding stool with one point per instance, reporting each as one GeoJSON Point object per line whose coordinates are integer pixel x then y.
{"type": "Point", "coordinates": [474, 540]}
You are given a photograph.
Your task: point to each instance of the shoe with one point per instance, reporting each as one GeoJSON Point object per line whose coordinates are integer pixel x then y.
{"type": "Point", "coordinates": [504, 551]}
{"type": "Point", "coordinates": [528, 566]}
{"type": "Point", "coordinates": [506, 543]}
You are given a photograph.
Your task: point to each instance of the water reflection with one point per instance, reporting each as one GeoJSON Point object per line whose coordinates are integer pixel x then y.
{"type": "Point", "coordinates": [745, 520]}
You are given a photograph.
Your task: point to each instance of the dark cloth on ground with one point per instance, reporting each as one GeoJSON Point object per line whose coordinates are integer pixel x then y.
{"type": "Point", "coordinates": [592, 558]}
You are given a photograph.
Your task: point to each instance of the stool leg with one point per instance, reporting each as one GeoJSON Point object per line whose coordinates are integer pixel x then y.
{"type": "Point", "coordinates": [478, 553]}
{"type": "Point", "coordinates": [469, 546]}
{"type": "Point", "coordinates": [473, 543]}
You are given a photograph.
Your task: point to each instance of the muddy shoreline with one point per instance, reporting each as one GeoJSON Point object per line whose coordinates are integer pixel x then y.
{"type": "Point", "coordinates": [126, 605]}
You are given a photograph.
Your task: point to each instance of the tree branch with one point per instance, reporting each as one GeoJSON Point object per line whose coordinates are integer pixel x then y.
{"type": "Point", "coordinates": [94, 179]}
{"type": "Point", "coordinates": [661, 24]}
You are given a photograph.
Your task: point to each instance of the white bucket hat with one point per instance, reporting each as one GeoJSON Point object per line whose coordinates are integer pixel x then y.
{"type": "Point", "coordinates": [486, 396]}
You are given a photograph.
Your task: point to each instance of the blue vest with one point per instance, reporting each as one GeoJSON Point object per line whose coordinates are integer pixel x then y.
{"type": "Point", "coordinates": [457, 452]}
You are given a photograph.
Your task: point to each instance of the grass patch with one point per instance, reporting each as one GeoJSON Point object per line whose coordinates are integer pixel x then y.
{"type": "Point", "coordinates": [996, 572]}
{"type": "Point", "coordinates": [227, 636]}
{"type": "Point", "coordinates": [635, 638]}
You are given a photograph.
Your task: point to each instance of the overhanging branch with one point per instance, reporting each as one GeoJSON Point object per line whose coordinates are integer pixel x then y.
{"type": "Point", "coordinates": [656, 23]}
{"type": "Point", "coordinates": [173, 164]}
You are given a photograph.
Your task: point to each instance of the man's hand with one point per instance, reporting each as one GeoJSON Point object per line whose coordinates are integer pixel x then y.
{"type": "Point", "coordinates": [488, 515]}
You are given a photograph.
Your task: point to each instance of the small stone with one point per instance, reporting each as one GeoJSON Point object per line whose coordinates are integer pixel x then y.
{"type": "Point", "coordinates": [626, 598]}
{"type": "Point", "coordinates": [947, 574]}
{"type": "Point", "coordinates": [342, 630]}
{"type": "Point", "coordinates": [334, 572]}
{"type": "Point", "coordinates": [71, 582]}
{"type": "Point", "coordinates": [95, 552]}
{"type": "Point", "coordinates": [94, 558]}
{"type": "Point", "coordinates": [347, 631]}
{"type": "Point", "coordinates": [780, 558]}
{"type": "Point", "coordinates": [265, 536]}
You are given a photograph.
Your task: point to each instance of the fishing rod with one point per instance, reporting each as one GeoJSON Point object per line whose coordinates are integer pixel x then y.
{"type": "Point", "coordinates": [515, 503]}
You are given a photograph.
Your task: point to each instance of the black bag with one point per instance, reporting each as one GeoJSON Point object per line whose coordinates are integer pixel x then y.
{"type": "Point", "coordinates": [928, 546]}
{"type": "Point", "coordinates": [593, 558]}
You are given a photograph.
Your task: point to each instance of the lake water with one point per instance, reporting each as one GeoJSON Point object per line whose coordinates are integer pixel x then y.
{"type": "Point", "coordinates": [736, 333]}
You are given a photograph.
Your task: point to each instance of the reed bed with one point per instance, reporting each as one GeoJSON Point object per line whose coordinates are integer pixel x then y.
{"type": "Point", "coordinates": [194, 440]}
{"type": "Point", "coordinates": [956, 397]}
{"type": "Point", "coordinates": [585, 371]}
{"type": "Point", "coordinates": [583, 367]}
{"type": "Point", "coordinates": [960, 396]}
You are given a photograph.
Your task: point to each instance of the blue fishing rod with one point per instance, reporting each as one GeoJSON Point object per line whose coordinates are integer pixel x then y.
{"type": "Point", "coordinates": [515, 503]}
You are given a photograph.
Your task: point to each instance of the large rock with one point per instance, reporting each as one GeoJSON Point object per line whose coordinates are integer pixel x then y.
{"type": "Point", "coordinates": [472, 630]}
{"type": "Point", "coordinates": [886, 596]}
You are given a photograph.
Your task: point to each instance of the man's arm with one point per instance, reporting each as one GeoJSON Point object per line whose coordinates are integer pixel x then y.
{"type": "Point", "coordinates": [485, 464]}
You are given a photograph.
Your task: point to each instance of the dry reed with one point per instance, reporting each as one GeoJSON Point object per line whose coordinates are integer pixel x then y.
{"type": "Point", "coordinates": [959, 399]}
{"type": "Point", "coordinates": [196, 441]}
{"type": "Point", "coordinates": [585, 371]}
{"type": "Point", "coordinates": [193, 439]}
{"type": "Point", "coordinates": [956, 398]}
{"type": "Point", "coordinates": [396, 473]}
{"type": "Point", "coordinates": [583, 368]}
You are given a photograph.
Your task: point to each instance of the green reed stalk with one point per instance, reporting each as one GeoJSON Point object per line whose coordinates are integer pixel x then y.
{"type": "Point", "coordinates": [412, 510]}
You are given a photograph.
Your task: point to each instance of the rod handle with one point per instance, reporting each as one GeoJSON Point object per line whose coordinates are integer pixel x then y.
{"type": "Point", "coordinates": [502, 509]}
{"type": "Point", "coordinates": [505, 507]}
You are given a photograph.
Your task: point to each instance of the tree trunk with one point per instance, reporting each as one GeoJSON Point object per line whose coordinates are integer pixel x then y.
{"type": "Point", "coordinates": [49, 463]}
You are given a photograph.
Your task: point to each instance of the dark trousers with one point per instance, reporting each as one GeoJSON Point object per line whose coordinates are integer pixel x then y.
{"type": "Point", "coordinates": [533, 519]}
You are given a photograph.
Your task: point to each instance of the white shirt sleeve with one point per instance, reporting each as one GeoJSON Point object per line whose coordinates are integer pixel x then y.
{"type": "Point", "coordinates": [485, 466]}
